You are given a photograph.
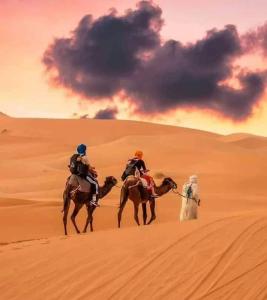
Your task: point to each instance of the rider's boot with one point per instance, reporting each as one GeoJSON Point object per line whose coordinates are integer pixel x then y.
{"type": "Point", "coordinates": [94, 201]}
{"type": "Point", "coordinates": [153, 193]}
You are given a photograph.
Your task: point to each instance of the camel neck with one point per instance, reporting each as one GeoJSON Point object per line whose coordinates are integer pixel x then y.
{"type": "Point", "coordinates": [162, 189]}
{"type": "Point", "coordinates": [105, 189]}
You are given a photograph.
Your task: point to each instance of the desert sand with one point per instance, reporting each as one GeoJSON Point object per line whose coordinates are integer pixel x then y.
{"type": "Point", "coordinates": [222, 255]}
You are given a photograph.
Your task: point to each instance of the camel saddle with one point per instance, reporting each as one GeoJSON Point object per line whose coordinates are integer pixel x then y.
{"type": "Point", "coordinates": [146, 191]}
{"type": "Point", "coordinates": [83, 185]}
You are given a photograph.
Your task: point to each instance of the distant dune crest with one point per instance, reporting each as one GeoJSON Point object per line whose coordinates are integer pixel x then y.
{"type": "Point", "coordinates": [2, 115]}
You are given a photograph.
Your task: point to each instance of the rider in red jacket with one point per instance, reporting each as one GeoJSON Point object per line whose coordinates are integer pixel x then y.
{"type": "Point", "coordinates": [141, 171]}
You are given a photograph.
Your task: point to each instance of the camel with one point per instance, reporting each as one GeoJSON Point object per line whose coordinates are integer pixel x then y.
{"type": "Point", "coordinates": [82, 198]}
{"type": "Point", "coordinates": [133, 189]}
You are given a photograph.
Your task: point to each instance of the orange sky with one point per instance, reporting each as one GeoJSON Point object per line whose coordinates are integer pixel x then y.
{"type": "Point", "coordinates": [28, 26]}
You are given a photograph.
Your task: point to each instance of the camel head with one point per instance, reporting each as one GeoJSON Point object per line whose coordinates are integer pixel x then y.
{"type": "Point", "coordinates": [111, 180]}
{"type": "Point", "coordinates": [169, 182]}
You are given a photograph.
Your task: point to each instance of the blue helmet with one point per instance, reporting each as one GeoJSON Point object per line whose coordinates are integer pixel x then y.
{"type": "Point", "coordinates": [81, 149]}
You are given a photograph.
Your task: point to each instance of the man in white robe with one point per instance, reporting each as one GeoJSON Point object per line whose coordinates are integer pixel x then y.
{"type": "Point", "coordinates": [190, 200]}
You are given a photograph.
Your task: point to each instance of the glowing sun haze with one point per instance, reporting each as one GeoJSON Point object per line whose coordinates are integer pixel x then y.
{"type": "Point", "coordinates": [28, 28]}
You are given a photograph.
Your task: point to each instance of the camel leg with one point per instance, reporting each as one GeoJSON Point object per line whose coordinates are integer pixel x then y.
{"type": "Point", "coordinates": [90, 211]}
{"type": "Point", "coordinates": [136, 207]}
{"type": "Point", "coordinates": [121, 210]}
{"type": "Point", "coordinates": [77, 208]}
{"type": "Point", "coordinates": [152, 204]}
{"type": "Point", "coordinates": [144, 212]}
{"type": "Point", "coordinates": [91, 224]}
{"type": "Point", "coordinates": [66, 195]}
{"type": "Point", "coordinates": [65, 215]}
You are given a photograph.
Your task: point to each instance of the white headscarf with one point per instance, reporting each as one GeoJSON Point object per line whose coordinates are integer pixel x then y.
{"type": "Point", "coordinates": [193, 179]}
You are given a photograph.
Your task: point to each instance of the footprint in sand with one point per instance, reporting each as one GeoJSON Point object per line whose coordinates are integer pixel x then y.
{"type": "Point", "coordinates": [16, 248]}
{"type": "Point", "coordinates": [44, 243]}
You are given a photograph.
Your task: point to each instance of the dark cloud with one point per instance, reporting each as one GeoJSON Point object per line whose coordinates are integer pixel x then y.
{"type": "Point", "coordinates": [194, 76]}
{"type": "Point", "coordinates": [101, 53]}
{"type": "Point", "coordinates": [238, 103]}
{"type": "Point", "coordinates": [124, 53]}
{"type": "Point", "coordinates": [86, 116]}
{"type": "Point", "coordinates": [256, 39]}
{"type": "Point", "coordinates": [106, 114]}
{"type": "Point", "coordinates": [186, 75]}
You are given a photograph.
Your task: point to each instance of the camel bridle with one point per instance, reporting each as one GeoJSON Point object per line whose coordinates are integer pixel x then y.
{"type": "Point", "coordinates": [177, 193]}
{"type": "Point", "coordinates": [171, 183]}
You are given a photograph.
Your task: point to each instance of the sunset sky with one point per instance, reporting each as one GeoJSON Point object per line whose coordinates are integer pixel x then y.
{"type": "Point", "coordinates": [29, 27]}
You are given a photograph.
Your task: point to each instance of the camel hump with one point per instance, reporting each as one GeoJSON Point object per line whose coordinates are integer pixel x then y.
{"type": "Point", "coordinates": [130, 180]}
{"type": "Point", "coordinates": [73, 180]}
{"type": "Point", "coordinates": [84, 185]}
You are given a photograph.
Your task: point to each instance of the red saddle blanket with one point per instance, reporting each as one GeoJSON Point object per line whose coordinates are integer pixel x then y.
{"type": "Point", "coordinates": [147, 181]}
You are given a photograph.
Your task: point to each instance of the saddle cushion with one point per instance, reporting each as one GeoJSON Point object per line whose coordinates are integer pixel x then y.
{"type": "Point", "coordinates": [84, 185]}
{"type": "Point", "coordinates": [146, 181]}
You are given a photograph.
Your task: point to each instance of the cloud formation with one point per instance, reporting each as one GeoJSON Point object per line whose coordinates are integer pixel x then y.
{"type": "Point", "coordinates": [106, 114]}
{"type": "Point", "coordinates": [102, 53]}
{"type": "Point", "coordinates": [125, 53]}
{"type": "Point", "coordinates": [256, 39]}
{"type": "Point", "coordinates": [195, 76]}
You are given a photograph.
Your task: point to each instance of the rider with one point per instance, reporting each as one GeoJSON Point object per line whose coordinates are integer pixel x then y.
{"type": "Point", "coordinates": [141, 171]}
{"type": "Point", "coordinates": [90, 175]}
{"type": "Point", "coordinates": [138, 163]}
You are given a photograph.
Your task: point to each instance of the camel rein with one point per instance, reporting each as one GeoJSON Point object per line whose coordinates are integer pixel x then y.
{"type": "Point", "coordinates": [177, 193]}
{"type": "Point", "coordinates": [117, 186]}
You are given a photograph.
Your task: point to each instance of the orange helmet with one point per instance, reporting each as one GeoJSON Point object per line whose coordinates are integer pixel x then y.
{"type": "Point", "coordinates": [138, 154]}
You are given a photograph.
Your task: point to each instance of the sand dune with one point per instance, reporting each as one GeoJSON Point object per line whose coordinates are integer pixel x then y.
{"type": "Point", "coordinates": [246, 140]}
{"type": "Point", "coordinates": [234, 137]}
{"type": "Point", "coordinates": [253, 142]}
{"type": "Point", "coordinates": [220, 256]}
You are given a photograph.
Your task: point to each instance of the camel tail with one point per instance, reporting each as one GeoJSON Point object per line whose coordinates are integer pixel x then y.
{"type": "Point", "coordinates": [124, 195]}
{"type": "Point", "coordinates": [66, 199]}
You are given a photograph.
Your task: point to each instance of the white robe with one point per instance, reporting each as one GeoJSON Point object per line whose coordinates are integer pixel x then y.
{"type": "Point", "coordinates": [189, 206]}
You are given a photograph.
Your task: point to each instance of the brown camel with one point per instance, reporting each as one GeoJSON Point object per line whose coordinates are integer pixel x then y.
{"type": "Point", "coordinates": [133, 189]}
{"type": "Point", "coordinates": [80, 198]}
